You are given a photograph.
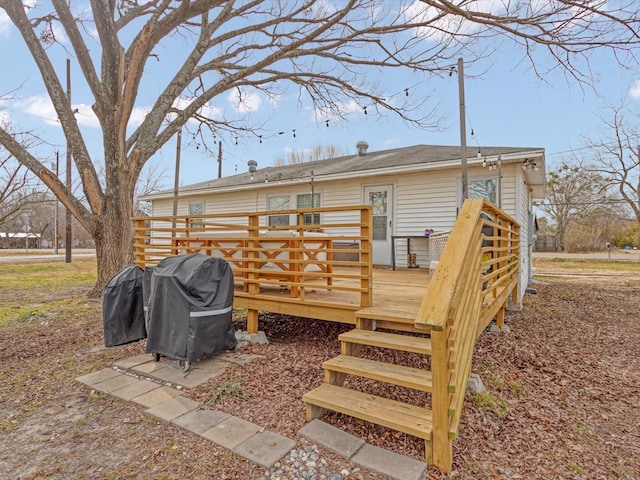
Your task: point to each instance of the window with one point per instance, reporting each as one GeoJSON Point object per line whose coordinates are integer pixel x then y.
{"type": "Point", "coordinates": [196, 208]}
{"type": "Point", "coordinates": [378, 202]}
{"type": "Point", "coordinates": [486, 188]}
{"type": "Point", "coordinates": [304, 201]}
{"type": "Point", "coordinates": [279, 202]}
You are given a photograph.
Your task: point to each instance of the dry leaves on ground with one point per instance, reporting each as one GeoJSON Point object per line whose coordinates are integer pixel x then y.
{"type": "Point", "coordinates": [562, 400]}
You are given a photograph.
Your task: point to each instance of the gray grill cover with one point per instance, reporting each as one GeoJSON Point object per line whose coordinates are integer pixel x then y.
{"type": "Point", "coordinates": [122, 311]}
{"type": "Point", "coordinates": [190, 307]}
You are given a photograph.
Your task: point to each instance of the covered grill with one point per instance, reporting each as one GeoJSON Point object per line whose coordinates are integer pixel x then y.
{"type": "Point", "coordinates": [190, 307]}
{"type": "Point", "coordinates": [122, 309]}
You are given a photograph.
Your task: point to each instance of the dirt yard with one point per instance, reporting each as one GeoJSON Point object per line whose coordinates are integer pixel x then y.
{"type": "Point", "coordinates": [562, 400]}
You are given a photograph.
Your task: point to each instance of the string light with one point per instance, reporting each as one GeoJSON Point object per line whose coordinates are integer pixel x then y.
{"type": "Point", "coordinates": [294, 132]}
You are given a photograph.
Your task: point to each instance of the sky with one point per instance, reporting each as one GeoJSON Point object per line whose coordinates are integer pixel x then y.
{"type": "Point", "coordinates": [506, 105]}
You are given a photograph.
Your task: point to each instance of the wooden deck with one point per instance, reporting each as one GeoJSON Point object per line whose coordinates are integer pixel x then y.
{"type": "Point", "coordinates": [396, 295]}
{"type": "Point", "coordinates": [324, 271]}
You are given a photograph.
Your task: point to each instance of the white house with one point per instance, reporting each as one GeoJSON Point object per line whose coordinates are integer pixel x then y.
{"type": "Point", "coordinates": [411, 189]}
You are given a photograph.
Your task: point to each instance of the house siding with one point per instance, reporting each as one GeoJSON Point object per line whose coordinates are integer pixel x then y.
{"type": "Point", "coordinates": [427, 199]}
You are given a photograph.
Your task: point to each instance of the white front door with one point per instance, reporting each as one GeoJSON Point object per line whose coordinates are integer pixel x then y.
{"type": "Point", "coordinates": [380, 197]}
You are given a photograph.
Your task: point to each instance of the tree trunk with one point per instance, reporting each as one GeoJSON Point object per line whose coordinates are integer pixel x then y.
{"type": "Point", "coordinates": [113, 238]}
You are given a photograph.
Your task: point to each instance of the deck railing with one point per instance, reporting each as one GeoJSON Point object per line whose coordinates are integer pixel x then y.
{"type": "Point", "coordinates": [474, 279]}
{"type": "Point", "coordinates": [264, 257]}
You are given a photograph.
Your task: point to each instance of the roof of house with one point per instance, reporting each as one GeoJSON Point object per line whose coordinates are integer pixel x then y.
{"type": "Point", "coordinates": [405, 159]}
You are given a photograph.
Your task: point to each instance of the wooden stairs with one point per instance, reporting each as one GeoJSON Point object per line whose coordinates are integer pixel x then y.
{"type": "Point", "coordinates": [332, 395]}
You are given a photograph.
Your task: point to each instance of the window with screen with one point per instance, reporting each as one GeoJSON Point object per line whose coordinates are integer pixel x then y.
{"type": "Point", "coordinates": [305, 201]}
{"type": "Point", "coordinates": [486, 188]}
{"type": "Point", "coordinates": [278, 202]}
{"type": "Point", "coordinates": [196, 208]}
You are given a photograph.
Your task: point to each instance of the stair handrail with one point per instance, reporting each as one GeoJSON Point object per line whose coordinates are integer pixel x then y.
{"type": "Point", "coordinates": [481, 256]}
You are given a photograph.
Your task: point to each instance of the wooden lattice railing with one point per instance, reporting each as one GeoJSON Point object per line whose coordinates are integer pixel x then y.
{"type": "Point", "coordinates": [297, 258]}
{"type": "Point", "coordinates": [474, 279]}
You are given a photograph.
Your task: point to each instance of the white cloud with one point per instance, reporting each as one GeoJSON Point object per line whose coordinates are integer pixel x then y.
{"type": "Point", "coordinates": [440, 28]}
{"type": "Point", "coordinates": [137, 116]}
{"type": "Point", "coordinates": [207, 110]}
{"type": "Point", "coordinates": [634, 90]}
{"type": "Point", "coordinates": [85, 116]}
{"type": "Point", "coordinates": [337, 110]}
{"type": "Point", "coordinates": [244, 102]}
{"type": "Point", "coordinates": [5, 119]}
{"type": "Point", "coordinates": [39, 106]}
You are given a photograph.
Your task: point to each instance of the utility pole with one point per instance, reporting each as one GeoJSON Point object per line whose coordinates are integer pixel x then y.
{"type": "Point", "coordinates": [463, 131]}
{"type": "Point", "coordinates": [69, 234]}
{"type": "Point", "coordinates": [176, 182]}
{"type": "Point", "coordinates": [220, 159]}
{"type": "Point", "coordinates": [55, 220]}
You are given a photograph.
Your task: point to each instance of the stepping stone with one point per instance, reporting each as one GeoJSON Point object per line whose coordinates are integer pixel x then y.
{"type": "Point", "coordinates": [231, 432]}
{"type": "Point", "coordinates": [172, 408]}
{"type": "Point", "coordinates": [115, 383]}
{"type": "Point", "coordinates": [135, 390]}
{"type": "Point", "coordinates": [192, 378]}
{"type": "Point", "coordinates": [129, 363]}
{"type": "Point", "coordinates": [198, 421]}
{"type": "Point", "coordinates": [332, 438]}
{"type": "Point", "coordinates": [96, 377]}
{"type": "Point", "coordinates": [265, 448]}
{"type": "Point", "coordinates": [156, 397]}
{"type": "Point", "coordinates": [394, 465]}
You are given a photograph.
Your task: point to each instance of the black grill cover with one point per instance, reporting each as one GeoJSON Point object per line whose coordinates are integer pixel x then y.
{"type": "Point", "coordinates": [190, 307]}
{"type": "Point", "coordinates": [122, 308]}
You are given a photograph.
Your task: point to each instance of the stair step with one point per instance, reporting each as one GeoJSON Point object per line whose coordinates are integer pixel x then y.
{"type": "Point", "coordinates": [384, 372]}
{"type": "Point", "coordinates": [394, 341]}
{"type": "Point", "coordinates": [416, 421]}
{"type": "Point", "coordinates": [392, 313]}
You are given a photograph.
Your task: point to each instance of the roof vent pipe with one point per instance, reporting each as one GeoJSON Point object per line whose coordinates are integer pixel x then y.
{"type": "Point", "coordinates": [362, 148]}
{"type": "Point", "coordinates": [253, 166]}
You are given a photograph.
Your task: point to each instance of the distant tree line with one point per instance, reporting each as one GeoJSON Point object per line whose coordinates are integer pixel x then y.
{"type": "Point", "coordinates": [593, 197]}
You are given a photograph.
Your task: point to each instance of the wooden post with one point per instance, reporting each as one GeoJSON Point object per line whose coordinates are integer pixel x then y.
{"type": "Point", "coordinates": [139, 236]}
{"type": "Point", "coordinates": [442, 455]}
{"type": "Point", "coordinates": [366, 257]}
{"type": "Point", "coordinates": [253, 231]}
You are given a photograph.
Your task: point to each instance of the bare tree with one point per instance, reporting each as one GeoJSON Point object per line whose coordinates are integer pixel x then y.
{"type": "Point", "coordinates": [331, 53]}
{"type": "Point", "coordinates": [150, 181]}
{"type": "Point", "coordinates": [13, 196]}
{"type": "Point", "coordinates": [617, 155]}
{"type": "Point", "coordinates": [319, 152]}
{"type": "Point", "coordinates": [574, 193]}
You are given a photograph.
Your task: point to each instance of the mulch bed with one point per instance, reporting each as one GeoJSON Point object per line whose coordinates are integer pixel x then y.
{"type": "Point", "coordinates": [562, 401]}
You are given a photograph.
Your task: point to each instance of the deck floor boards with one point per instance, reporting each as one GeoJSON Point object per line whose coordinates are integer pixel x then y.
{"type": "Point", "coordinates": [400, 290]}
